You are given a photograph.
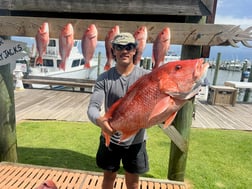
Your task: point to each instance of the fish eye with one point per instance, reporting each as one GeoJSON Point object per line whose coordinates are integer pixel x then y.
{"type": "Point", "coordinates": [178, 67]}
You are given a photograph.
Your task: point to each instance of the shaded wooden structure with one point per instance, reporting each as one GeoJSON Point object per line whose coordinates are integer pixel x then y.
{"type": "Point", "coordinates": [22, 18]}
{"type": "Point", "coordinates": [20, 176]}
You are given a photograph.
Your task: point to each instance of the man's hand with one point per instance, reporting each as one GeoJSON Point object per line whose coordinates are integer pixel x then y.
{"type": "Point", "coordinates": [104, 124]}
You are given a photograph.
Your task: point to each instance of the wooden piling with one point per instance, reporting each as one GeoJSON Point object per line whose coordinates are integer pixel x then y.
{"type": "Point", "coordinates": [99, 64]}
{"type": "Point", "coordinates": [217, 68]}
{"type": "Point", "coordinates": [247, 91]}
{"type": "Point", "coordinates": [8, 142]}
{"type": "Point", "coordinates": [183, 120]}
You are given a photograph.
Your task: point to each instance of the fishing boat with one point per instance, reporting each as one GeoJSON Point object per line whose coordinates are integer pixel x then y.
{"type": "Point", "coordinates": [74, 67]}
{"type": "Point", "coordinates": [234, 66]}
{"type": "Point", "coordinates": [171, 56]}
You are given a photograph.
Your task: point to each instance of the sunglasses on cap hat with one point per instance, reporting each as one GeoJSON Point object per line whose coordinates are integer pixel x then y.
{"type": "Point", "coordinates": [128, 47]}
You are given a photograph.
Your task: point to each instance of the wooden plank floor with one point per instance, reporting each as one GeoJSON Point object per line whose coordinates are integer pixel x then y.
{"type": "Point", "coordinates": [35, 104]}
{"type": "Point", "coordinates": [21, 176]}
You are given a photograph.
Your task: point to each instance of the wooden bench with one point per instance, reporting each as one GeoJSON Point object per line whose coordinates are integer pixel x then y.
{"type": "Point", "coordinates": [239, 85]}
{"type": "Point", "coordinates": [83, 84]}
{"type": "Point", "coordinates": [20, 176]}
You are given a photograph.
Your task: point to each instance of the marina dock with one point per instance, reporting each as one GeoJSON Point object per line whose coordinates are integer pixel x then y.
{"type": "Point", "coordinates": [37, 104]}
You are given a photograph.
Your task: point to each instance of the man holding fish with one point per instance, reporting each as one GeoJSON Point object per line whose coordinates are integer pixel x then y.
{"type": "Point", "coordinates": [154, 98]}
{"type": "Point", "coordinates": [111, 86]}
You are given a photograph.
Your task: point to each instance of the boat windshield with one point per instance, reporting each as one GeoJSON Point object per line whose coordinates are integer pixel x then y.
{"type": "Point", "coordinates": [75, 63]}
{"type": "Point", "coordinates": [82, 62]}
{"type": "Point", "coordinates": [48, 62]}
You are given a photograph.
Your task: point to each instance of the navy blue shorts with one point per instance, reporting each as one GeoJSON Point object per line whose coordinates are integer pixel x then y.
{"type": "Point", "coordinates": [134, 158]}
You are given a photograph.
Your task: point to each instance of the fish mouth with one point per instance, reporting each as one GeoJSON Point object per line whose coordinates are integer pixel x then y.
{"type": "Point", "coordinates": [188, 95]}
{"type": "Point", "coordinates": [199, 73]}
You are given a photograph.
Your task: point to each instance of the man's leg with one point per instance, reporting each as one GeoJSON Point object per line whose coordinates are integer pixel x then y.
{"type": "Point", "coordinates": [108, 179]}
{"type": "Point", "coordinates": [131, 180]}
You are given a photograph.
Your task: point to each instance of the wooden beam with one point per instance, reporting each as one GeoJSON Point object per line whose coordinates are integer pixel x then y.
{"type": "Point", "coordinates": [142, 7]}
{"type": "Point", "coordinates": [176, 137]}
{"type": "Point", "coordinates": [182, 33]}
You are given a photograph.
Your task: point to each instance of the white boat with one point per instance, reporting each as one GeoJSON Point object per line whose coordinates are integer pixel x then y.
{"type": "Point", "coordinates": [171, 56]}
{"type": "Point", "coordinates": [234, 66]}
{"type": "Point", "coordinates": [74, 67]}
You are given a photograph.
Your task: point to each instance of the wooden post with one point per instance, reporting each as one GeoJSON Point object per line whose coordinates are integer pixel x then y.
{"type": "Point", "coordinates": [244, 68]}
{"type": "Point", "coordinates": [183, 120]}
{"type": "Point", "coordinates": [217, 68]}
{"type": "Point", "coordinates": [8, 140]}
{"type": "Point", "coordinates": [99, 64]}
{"type": "Point", "coordinates": [247, 91]}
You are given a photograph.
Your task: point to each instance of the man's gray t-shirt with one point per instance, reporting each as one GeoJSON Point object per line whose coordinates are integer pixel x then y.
{"type": "Point", "coordinates": [111, 86]}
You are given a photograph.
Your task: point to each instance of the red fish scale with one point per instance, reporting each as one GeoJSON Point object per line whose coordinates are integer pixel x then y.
{"type": "Point", "coordinates": [143, 99]}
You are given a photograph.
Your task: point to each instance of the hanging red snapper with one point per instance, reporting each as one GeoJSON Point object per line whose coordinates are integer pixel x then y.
{"type": "Point", "coordinates": [141, 38]}
{"type": "Point", "coordinates": [88, 44]}
{"type": "Point", "coordinates": [155, 97]}
{"type": "Point", "coordinates": [161, 46]}
{"type": "Point", "coordinates": [42, 40]}
{"type": "Point", "coordinates": [66, 41]}
{"type": "Point", "coordinates": [108, 46]}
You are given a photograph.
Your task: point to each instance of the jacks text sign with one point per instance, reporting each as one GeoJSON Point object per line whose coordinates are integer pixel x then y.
{"type": "Point", "coordinates": [10, 51]}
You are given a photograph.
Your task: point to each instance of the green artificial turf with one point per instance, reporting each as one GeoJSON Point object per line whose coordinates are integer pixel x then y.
{"type": "Point", "coordinates": [216, 158]}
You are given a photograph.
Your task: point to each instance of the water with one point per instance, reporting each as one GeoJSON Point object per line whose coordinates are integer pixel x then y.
{"type": "Point", "coordinates": [223, 75]}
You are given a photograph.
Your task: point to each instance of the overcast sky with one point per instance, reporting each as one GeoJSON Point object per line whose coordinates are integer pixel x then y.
{"type": "Point", "coordinates": [235, 12]}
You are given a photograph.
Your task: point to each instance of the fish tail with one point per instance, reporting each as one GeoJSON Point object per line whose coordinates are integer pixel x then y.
{"type": "Point", "coordinates": [107, 139]}
{"type": "Point", "coordinates": [39, 60]}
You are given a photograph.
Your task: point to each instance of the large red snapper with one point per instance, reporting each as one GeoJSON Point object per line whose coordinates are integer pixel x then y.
{"type": "Point", "coordinates": [140, 35]}
{"type": "Point", "coordinates": [156, 97]}
{"type": "Point", "coordinates": [108, 45]}
{"type": "Point", "coordinates": [161, 46]}
{"type": "Point", "coordinates": [42, 40]}
{"type": "Point", "coordinates": [66, 41]}
{"type": "Point", "coordinates": [88, 44]}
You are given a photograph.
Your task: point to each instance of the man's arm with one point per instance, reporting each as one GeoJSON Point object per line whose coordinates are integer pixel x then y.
{"type": "Point", "coordinates": [95, 103]}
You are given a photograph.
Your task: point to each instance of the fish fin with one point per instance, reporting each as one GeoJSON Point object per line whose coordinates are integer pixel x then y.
{"type": "Point", "coordinates": [107, 138]}
{"type": "Point", "coordinates": [87, 65]}
{"type": "Point", "coordinates": [169, 120]}
{"type": "Point", "coordinates": [160, 107]}
{"type": "Point", "coordinates": [127, 135]}
{"type": "Point", "coordinates": [112, 109]}
{"type": "Point", "coordinates": [39, 60]}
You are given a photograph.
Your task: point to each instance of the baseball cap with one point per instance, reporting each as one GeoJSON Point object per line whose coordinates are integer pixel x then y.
{"type": "Point", "coordinates": [124, 39]}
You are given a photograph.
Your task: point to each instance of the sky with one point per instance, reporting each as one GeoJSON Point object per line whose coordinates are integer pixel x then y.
{"type": "Point", "coordinates": [234, 12]}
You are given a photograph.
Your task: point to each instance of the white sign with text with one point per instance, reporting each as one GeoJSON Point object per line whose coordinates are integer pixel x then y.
{"type": "Point", "coordinates": [10, 51]}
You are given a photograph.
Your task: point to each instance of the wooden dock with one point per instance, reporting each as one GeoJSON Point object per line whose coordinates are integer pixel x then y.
{"type": "Point", "coordinates": [36, 104]}
{"type": "Point", "coordinates": [20, 176]}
